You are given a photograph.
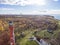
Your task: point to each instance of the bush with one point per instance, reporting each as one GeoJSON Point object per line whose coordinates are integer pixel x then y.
{"type": "Point", "coordinates": [4, 38]}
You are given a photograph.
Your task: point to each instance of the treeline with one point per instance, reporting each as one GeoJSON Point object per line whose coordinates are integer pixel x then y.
{"type": "Point", "coordinates": [30, 22]}
{"type": "Point", "coordinates": [26, 22]}
{"type": "Point", "coordinates": [36, 22]}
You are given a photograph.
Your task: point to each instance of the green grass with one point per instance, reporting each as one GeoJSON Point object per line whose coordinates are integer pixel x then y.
{"type": "Point", "coordinates": [31, 43]}
{"type": "Point", "coordinates": [44, 33]}
{"type": "Point", "coordinates": [25, 40]}
{"type": "Point", "coordinates": [56, 33]}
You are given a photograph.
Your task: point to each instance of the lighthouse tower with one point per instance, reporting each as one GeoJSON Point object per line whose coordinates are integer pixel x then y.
{"type": "Point", "coordinates": [12, 37]}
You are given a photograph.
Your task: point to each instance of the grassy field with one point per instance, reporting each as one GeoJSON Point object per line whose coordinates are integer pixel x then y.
{"type": "Point", "coordinates": [42, 34]}
{"type": "Point", "coordinates": [25, 40]}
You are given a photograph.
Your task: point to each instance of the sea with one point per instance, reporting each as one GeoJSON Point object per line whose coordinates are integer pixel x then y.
{"type": "Point", "coordinates": [57, 16]}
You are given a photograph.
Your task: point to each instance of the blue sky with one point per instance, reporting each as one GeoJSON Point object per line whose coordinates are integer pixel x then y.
{"type": "Point", "coordinates": [29, 6]}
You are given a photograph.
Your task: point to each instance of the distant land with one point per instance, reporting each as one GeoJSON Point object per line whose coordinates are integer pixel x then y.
{"type": "Point", "coordinates": [57, 16]}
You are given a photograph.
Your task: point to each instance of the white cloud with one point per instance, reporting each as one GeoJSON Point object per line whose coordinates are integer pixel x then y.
{"type": "Point", "coordinates": [23, 2]}
{"type": "Point", "coordinates": [13, 11]}
{"type": "Point", "coordinates": [43, 12]}
{"type": "Point", "coordinates": [10, 2]}
{"type": "Point", "coordinates": [31, 2]}
{"type": "Point", "coordinates": [54, 12]}
{"type": "Point", "coordinates": [6, 9]}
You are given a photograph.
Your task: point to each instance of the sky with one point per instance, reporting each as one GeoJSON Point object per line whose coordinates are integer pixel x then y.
{"type": "Point", "coordinates": [29, 6]}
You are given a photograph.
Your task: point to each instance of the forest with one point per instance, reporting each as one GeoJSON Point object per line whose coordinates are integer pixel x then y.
{"type": "Point", "coordinates": [26, 26]}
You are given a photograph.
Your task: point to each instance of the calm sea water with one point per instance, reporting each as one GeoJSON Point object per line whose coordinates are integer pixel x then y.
{"type": "Point", "coordinates": [57, 16]}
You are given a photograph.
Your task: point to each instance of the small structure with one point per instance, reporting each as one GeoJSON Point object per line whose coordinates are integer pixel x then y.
{"type": "Point", "coordinates": [42, 42]}
{"type": "Point", "coordinates": [31, 38]}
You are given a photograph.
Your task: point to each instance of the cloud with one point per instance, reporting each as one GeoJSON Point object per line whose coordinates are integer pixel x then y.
{"type": "Point", "coordinates": [6, 9]}
{"type": "Point", "coordinates": [43, 12]}
{"type": "Point", "coordinates": [13, 11]}
{"type": "Point", "coordinates": [23, 2]}
{"type": "Point", "coordinates": [54, 12]}
{"type": "Point", "coordinates": [10, 2]}
{"type": "Point", "coordinates": [31, 2]}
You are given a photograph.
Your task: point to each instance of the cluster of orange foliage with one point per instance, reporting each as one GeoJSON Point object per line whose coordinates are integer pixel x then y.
{"type": "Point", "coordinates": [4, 38]}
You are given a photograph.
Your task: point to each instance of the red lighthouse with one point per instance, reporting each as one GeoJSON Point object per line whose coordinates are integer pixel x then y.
{"type": "Point", "coordinates": [12, 37]}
